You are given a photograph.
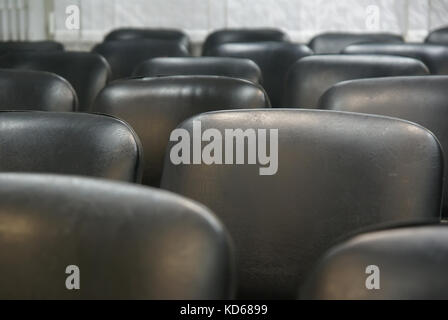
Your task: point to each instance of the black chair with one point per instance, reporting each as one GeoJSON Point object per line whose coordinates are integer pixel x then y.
{"type": "Point", "coordinates": [69, 143]}
{"type": "Point", "coordinates": [273, 58]}
{"type": "Point", "coordinates": [125, 56]}
{"type": "Point", "coordinates": [222, 36]}
{"type": "Point", "coordinates": [155, 106]}
{"type": "Point", "coordinates": [335, 172]}
{"type": "Point", "coordinates": [423, 100]}
{"type": "Point", "coordinates": [439, 36]}
{"type": "Point", "coordinates": [88, 73]}
{"type": "Point", "coordinates": [152, 34]}
{"type": "Point", "coordinates": [126, 241]}
{"type": "Point", "coordinates": [310, 77]}
{"type": "Point", "coordinates": [405, 263]}
{"type": "Point", "coordinates": [32, 90]}
{"type": "Point", "coordinates": [335, 42]}
{"type": "Point", "coordinates": [203, 66]}
{"type": "Point", "coordinates": [434, 56]}
{"type": "Point", "coordinates": [21, 46]}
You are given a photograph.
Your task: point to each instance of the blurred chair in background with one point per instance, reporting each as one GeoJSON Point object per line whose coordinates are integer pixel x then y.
{"type": "Point", "coordinates": [34, 90]}
{"type": "Point", "coordinates": [154, 107]}
{"type": "Point", "coordinates": [200, 66]}
{"type": "Point", "coordinates": [273, 58]}
{"type": "Point", "coordinates": [335, 42]}
{"type": "Point", "coordinates": [87, 72]}
{"type": "Point", "coordinates": [310, 77]}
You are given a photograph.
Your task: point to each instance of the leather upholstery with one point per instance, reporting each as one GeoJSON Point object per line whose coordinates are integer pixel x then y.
{"type": "Point", "coordinates": [20, 46]}
{"type": "Point", "coordinates": [155, 106]}
{"type": "Point", "coordinates": [439, 36]}
{"type": "Point", "coordinates": [336, 174]}
{"type": "Point", "coordinates": [88, 73]}
{"type": "Point", "coordinates": [310, 77]}
{"type": "Point", "coordinates": [205, 66]}
{"type": "Point", "coordinates": [69, 143]}
{"type": "Point", "coordinates": [128, 241]}
{"type": "Point", "coordinates": [154, 34]}
{"type": "Point", "coordinates": [434, 56]}
{"type": "Point", "coordinates": [335, 42]}
{"type": "Point", "coordinates": [273, 58]}
{"type": "Point", "coordinates": [411, 260]}
{"type": "Point", "coordinates": [423, 100]}
{"type": "Point", "coordinates": [125, 56]}
{"type": "Point", "coordinates": [222, 36]}
{"type": "Point", "coordinates": [32, 90]}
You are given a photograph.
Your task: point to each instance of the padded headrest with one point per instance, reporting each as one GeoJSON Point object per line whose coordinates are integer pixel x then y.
{"type": "Point", "coordinates": [439, 36]}
{"type": "Point", "coordinates": [406, 263]}
{"type": "Point", "coordinates": [155, 106]}
{"type": "Point", "coordinates": [337, 172]}
{"type": "Point", "coordinates": [310, 77]}
{"type": "Point", "coordinates": [242, 35]}
{"type": "Point", "coordinates": [125, 56]}
{"type": "Point", "coordinates": [32, 90]}
{"type": "Point", "coordinates": [273, 58]}
{"type": "Point", "coordinates": [127, 242]}
{"type": "Point", "coordinates": [335, 42]}
{"type": "Point", "coordinates": [87, 72]}
{"type": "Point", "coordinates": [19, 46]}
{"type": "Point", "coordinates": [155, 34]}
{"type": "Point", "coordinates": [69, 143]}
{"type": "Point", "coordinates": [204, 66]}
{"type": "Point", "coordinates": [423, 100]}
{"type": "Point", "coordinates": [434, 56]}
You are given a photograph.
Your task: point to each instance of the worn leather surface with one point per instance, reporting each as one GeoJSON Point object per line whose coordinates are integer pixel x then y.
{"type": "Point", "coordinates": [222, 36]}
{"type": "Point", "coordinates": [128, 241]}
{"type": "Point", "coordinates": [337, 172]}
{"type": "Point", "coordinates": [125, 56]}
{"type": "Point", "coordinates": [155, 106]}
{"type": "Point", "coordinates": [204, 66]}
{"type": "Point", "coordinates": [335, 42]}
{"type": "Point", "coordinates": [411, 260]}
{"type": "Point", "coordinates": [69, 143]}
{"type": "Point", "coordinates": [434, 56]}
{"type": "Point", "coordinates": [310, 77]}
{"type": "Point", "coordinates": [88, 73]}
{"type": "Point", "coordinates": [31, 90]}
{"type": "Point", "coordinates": [273, 58]}
{"type": "Point", "coordinates": [423, 100]}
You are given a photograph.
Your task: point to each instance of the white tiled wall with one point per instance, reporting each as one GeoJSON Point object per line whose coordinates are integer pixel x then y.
{"type": "Point", "coordinates": [13, 20]}
{"type": "Point", "coordinates": [300, 18]}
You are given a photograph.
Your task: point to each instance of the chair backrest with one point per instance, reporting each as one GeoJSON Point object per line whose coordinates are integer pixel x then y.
{"type": "Point", "coordinates": [125, 56]}
{"type": "Point", "coordinates": [88, 73]}
{"type": "Point", "coordinates": [32, 90]}
{"type": "Point", "coordinates": [200, 66]}
{"type": "Point", "coordinates": [114, 240]}
{"type": "Point", "coordinates": [434, 56]}
{"type": "Point", "coordinates": [273, 58]}
{"type": "Point", "coordinates": [405, 263]}
{"type": "Point", "coordinates": [222, 36]}
{"type": "Point", "coordinates": [69, 143]}
{"type": "Point", "coordinates": [310, 77]}
{"type": "Point", "coordinates": [20, 46]}
{"type": "Point", "coordinates": [423, 100]}
{"type": "Point", "coordinates": [296, 190]}
{"type": "Point", "coordinates": [439, 36]}
{"type": "Point", "coordinates": [145, 33]}
{"type": "Point", "coordinates": [335, 42]}
{"type": "Point", "coordinates": [155, 106]}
